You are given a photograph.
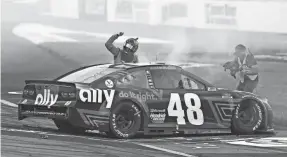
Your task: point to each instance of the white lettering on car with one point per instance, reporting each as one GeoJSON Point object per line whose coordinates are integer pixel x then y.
{"type": "Point", "coordinates": [260, 118]}
{"type": "Point", "coordinates": [96, 96]}
{"type": "Point", "coordinates": [139, 95]}
{"type": "Point", "coordinates": [46, 98]}
{"type": "Point", "coordinates": [191, 109]}
{"type": "Point", "coordinates": [157, 116]}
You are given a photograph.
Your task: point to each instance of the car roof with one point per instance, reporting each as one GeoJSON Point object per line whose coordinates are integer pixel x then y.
{"type": "Point", "coordinates": [140, 65]}
{"type": "Point", "coordinates": [127, 66]}
{"type": "Point", "coordinates": [120, 67]}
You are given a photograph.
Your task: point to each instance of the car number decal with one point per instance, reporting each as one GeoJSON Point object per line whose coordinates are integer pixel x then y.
{"type": "Point", "coordinates": [191, 109]}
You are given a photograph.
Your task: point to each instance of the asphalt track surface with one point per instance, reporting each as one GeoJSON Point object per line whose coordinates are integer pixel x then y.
{"type": "Point", "coordinates": [23, 60]}
{"type": "Point", "coordinates": [40, 137]}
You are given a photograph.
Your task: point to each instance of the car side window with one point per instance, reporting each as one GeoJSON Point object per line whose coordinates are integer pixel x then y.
{"type": "Point", "coordinates": [190, 83]}
{"type": "Point", "coordinates": [173, 79]}
{"type": "Point", "coordinates": [165, 78]}
{"type": "Point", "coordinates": [136, 78]}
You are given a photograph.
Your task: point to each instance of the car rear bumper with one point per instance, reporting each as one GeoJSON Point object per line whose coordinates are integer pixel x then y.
{"type": "Point", "coordinates": [25, 111]}
{"type": "Point", "coordinates": [84, 118]}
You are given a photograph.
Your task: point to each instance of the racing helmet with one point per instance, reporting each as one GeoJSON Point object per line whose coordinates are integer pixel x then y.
{"type": "Point", "coordinates": [131, 45]}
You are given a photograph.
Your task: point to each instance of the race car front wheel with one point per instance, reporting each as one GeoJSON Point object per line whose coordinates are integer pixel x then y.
{"type": "Point", "coordinates": [125, 120]}
{"type": "Point", "coordinates": [247, 117]}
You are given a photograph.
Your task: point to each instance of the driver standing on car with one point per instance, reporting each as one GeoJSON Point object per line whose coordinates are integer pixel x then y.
{"type": "Point", "coordinates": [248, 74]}
{"type": "Point", "coordinates": [125, 55]}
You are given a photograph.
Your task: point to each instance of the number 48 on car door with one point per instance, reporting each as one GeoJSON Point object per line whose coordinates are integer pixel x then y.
{"type": "Point", "coordinates": [193, 112]}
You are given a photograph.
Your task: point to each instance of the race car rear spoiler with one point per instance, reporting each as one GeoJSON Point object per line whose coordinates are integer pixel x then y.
{"type": "Point", "coordinates": [49, 82]}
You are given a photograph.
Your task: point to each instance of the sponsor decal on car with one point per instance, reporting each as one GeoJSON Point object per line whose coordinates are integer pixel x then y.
{"type": "Point", "coordinates": [109, 83]}
{"type": "Point", "coordinates": [47, 99]}
{"type": "Point", "coordinates": [96, 96]}
{"type": "Point", "coordinates": [140, 96]}
{"type": "Point", "coordinates": [157, 115]}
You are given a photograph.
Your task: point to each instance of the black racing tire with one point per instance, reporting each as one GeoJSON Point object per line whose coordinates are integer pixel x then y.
{"type": "Point", "coordinates": [247, 118]}
{"type": "Point", "coordinates": [125, 120]}
{"type": "Point", "coordinates": [67, 127]}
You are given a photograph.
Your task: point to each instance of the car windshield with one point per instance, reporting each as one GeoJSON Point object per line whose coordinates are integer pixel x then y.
{"type": "Point", "coordinates": [88, 75]}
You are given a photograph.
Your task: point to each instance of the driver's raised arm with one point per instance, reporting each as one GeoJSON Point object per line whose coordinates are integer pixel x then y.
{"type": "Point", "coordinates": [110, 44]}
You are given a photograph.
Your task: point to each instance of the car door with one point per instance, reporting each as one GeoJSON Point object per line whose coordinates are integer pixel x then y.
{"type": "Point", "coordinates": [166, 80]}
{"type": "Point", "coordinates": [213, 104]}
{"type": "Point", "coordinates": [136, 84]}
{"type": "Point", "coordinates": [186, 100]}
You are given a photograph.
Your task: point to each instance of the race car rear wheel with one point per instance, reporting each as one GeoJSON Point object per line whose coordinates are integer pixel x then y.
{"type": "Point", "coordinates": [125, 120]}
{"type": "Point", "coordinates": [65, 126]}
{"type": "Point", "coordinates": [247, 117]}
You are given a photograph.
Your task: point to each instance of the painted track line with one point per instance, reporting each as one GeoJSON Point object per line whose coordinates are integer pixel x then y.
{"type": "Point", "coordinates": [165, 150]}
{"type": "Point", "coordinates": [5, 102]}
